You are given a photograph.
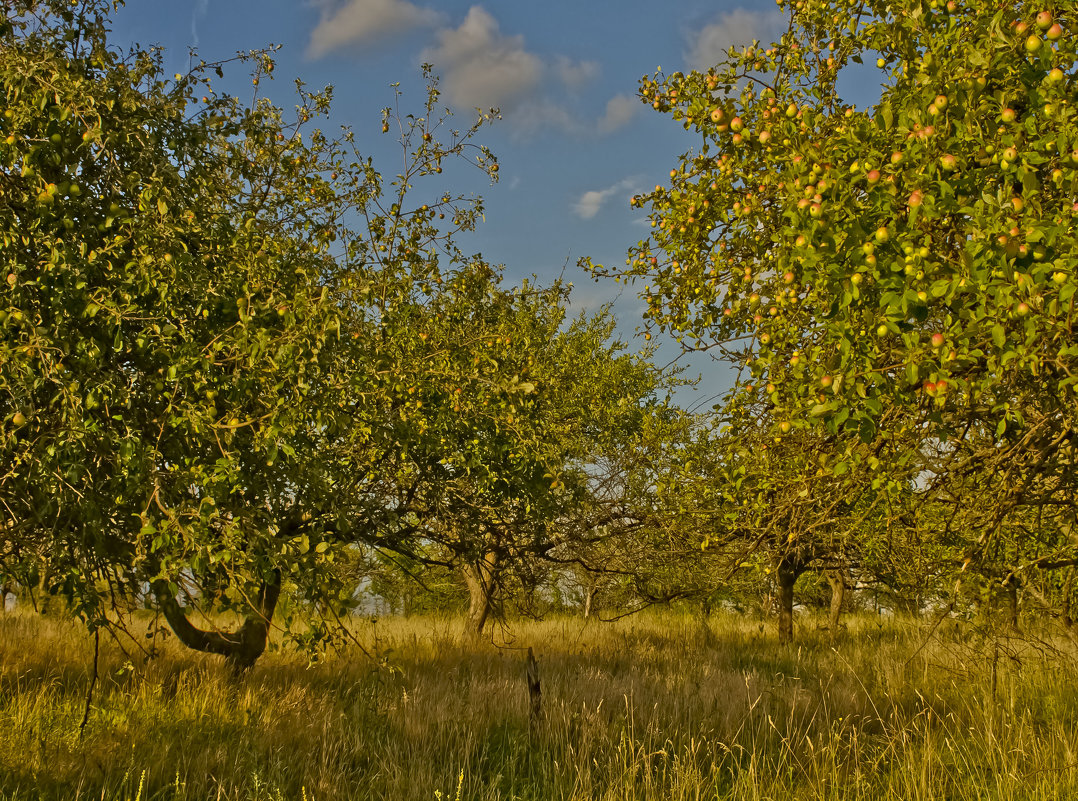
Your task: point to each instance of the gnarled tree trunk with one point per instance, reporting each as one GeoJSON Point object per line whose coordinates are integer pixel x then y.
{"type": "Point", "coordinates": [787, 571]}
{"type": "Point", "coordinates": [480, 577]}
{"type": "Point", "coordinates": [240, 648]}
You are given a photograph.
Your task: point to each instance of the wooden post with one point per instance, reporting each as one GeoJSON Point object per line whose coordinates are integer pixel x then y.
{"type": "Point", "coordinates": [535, 692]}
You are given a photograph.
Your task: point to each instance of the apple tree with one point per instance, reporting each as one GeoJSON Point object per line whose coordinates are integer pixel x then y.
{"type": "Point", "coordinates": [189, 327]}
{"type": "Point", "coordinates": [914, 260]}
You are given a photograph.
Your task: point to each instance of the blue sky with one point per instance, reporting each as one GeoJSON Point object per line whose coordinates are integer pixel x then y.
{"type": "Point", "coordinates": [574, 142]}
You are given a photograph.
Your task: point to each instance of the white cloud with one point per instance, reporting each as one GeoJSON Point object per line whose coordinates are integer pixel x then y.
{"type": "Point", "coordinates": [709, 45]}
{"type": "Point", "coordinates": [575, 73]}
{"type": "Point", "coordinates": [590, 202]}
{"type": "Point", "coordinates": [481, 67]}
{"type": "Point", "coordinates": [363, 20]}
{"type": "Point", "coordinates": [620, 110]}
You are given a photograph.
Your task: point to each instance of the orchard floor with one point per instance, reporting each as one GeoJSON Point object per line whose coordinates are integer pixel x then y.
{"type": "Point", "coordinates": [662, 706]}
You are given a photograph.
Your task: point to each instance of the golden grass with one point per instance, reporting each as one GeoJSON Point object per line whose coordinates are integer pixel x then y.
{"type": "Point", "coordinates": [651, 707]}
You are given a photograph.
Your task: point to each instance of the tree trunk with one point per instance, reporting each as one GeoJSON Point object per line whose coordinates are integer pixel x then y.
{"type": "Point", "coordinates": [786, 575]}
{"type": "Point", "coordinates": [589, 599]}
{"type": "Point", "coordinates": [1011, 590]}
{"type": "Point", "coordinates": [480, 580]}
{"type": "Point", "coordinates": [837, 580]}
{"type": "Point", "coordinates": [240, 648]}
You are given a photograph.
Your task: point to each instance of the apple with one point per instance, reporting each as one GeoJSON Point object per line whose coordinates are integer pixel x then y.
{"type": "Point", "coordinates": [873, 176]}
{"type": "Point", "coordinates": [1055, 76]}
{"type": "Point", "coordinates": [881, 63]}
{"type": "Point", "coordinates": [827, 381]}
{"type": "Point", "coordinates": [1054, 33]}
{"type": "Point", "coordinates": [1033, 43]}
{"type": "Point", "coordinates": [765, 339]}
{"type": "Point", "coordinates": [881, 331]}
{"type": "Point", "coordinates": [784, 426]}
{"type": "Point", "coordinates": [816, 210]}
{"type": "Point", "coordinates": [929, 387]}
{"type": "Point", "coordinates": [1022, 308]}
{"type": "Point", "coordinates": [736, 124]}
{"type": "Point", "coordinates": [948, 162]}
{"type": "Point", "coordinates": [882, 234]}
{"type": "Point", "coordinates": [1059, 278]}
{"type": "Point", "coordinates": [916, 198]}
{"type": "Point", "coordinates": [941, 387]}
{"type": "Point", "coordinates": [1008, 115]}
{"type": "Point", "coordinates": [896, 157]}
{"type": "Point", "coordinates": [1010, 154]}
{"type": "Point", "coordinates": [856, 279]}
{"type": "Point", "coordinates": [937, 340]}
{"type": "Point", "coordinates": [717, 114]}
{"type": "Point", "coordinates": [19, 419]}
{"type": "Point", "coordinates": [1044, 20]}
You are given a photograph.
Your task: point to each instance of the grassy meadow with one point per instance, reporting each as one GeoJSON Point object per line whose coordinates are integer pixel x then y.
{"type": "Point", "coordinates": [660, 706]}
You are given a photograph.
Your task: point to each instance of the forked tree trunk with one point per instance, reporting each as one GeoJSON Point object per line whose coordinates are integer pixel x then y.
{"type": "Point", "coordinates": [480, 578]}
{"type": "Point", "coordinates": [837, 580]}
{"type": "Point", "coordinates": [786, 576]}
{"type": "Point", "coordinates": [240, 648]}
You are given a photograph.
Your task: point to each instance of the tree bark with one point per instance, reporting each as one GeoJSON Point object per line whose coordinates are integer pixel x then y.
{"type": "Point", "coordinates": [1011, 590]}
{"type": "Point", "coordinates": [837, 580]}
{"type": "Point", "coordinates": [589, 598]}
{"type": "Point", "coordinates": [240, 648]}
{"type": "Point", "coordinates": [480, 578]}
{"type": "Point", "coordinates": [786, 576]}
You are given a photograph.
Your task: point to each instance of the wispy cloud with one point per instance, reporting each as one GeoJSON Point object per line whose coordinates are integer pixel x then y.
{"type": "Point", "coordinates": [589, 203]}
{"type": "Point", "coordinates": [575, 73]}
{"type": "Point", "coordinates": [620, 110]}
{"type": "Point", "coordinates": [358, 21]}
{"type": "Point", "coordinates": [709, 45]}
{"type": "Point", "coordinates": [201, 7]}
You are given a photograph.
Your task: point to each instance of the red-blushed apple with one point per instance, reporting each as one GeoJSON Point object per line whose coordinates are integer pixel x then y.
{"type": "Point", "coordinates": [937, 340]}
{"type": "Point", "coordinates": [856, 279]}
{"type": "Point", "coordinates": [1022, 308]}
{"type": "Point", "coordinates": [1044, 20]}
{"type": "Point", "coordinates": [916, 198]}
{"type": "Point", "coordinates": [1008, 115]}
{"type": "Point", "coordinates": [784, 427]}
{"type": "Point", "coordinates": [948, 162]}
{"type": "Point", "coordinates": [827, 381]}
{"type": "Point", "coordinates": [929, 387]}
{"type": "Point", "coordinates": [1055, 33]}
{"type": "Point", "coordinates": [788, 277]}
{"type": "Point", "coordinates": [873, 176]}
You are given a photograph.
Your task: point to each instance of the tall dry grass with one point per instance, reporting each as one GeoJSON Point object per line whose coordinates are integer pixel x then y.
{"type": "Point", "coordinates": [662, 706]}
